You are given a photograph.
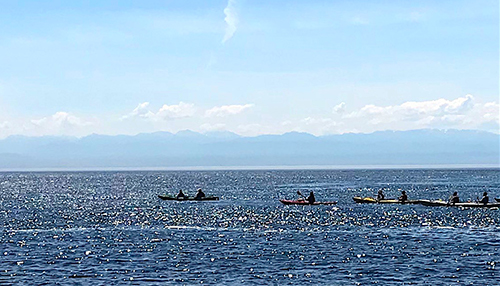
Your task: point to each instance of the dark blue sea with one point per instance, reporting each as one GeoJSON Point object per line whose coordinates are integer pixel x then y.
{"type": "Point", "coordinates": [96, 228]}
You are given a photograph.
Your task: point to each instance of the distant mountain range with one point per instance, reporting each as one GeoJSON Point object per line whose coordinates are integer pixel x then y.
{"type": "Point", "coordinates": [188, 148]}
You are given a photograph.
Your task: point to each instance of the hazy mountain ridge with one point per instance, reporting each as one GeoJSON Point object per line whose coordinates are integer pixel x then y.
{"type": "Point", "coordinates": [188, 148]}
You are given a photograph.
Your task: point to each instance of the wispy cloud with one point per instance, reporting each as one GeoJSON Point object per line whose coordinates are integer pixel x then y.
{"type": "Point", "coordinates": [231, 20]}
{"type": "Point", "coordinates": [225, 110]}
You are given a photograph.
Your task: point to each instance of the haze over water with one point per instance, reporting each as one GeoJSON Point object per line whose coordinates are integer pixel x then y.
{"type": "Point", "coordinates": [91, 228]}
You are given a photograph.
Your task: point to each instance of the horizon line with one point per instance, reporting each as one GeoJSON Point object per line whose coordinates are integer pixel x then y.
{"type": "Point", "coordinates": [258, 168]}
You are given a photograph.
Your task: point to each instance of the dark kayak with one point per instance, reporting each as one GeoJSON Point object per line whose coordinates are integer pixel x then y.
{"type": "Point", "coordinates": [305, 203]}
{"type": "Point", "coordinates": [370, 200]}
{"type": "Point", "coordinates": [441, 203]}
{"type": "Point", "coordinates": [174, 198]}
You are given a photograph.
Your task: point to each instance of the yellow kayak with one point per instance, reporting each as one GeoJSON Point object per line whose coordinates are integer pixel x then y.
{"type": "Point", "coordinates": [370, 200]}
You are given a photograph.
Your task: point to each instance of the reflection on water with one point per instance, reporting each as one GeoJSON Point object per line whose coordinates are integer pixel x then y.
{"type": "Point", "coordinates": [109, 227]}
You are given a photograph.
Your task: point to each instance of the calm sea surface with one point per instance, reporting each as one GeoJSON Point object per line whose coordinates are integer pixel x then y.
{"type": "Point", "coordinates": [95, 228]}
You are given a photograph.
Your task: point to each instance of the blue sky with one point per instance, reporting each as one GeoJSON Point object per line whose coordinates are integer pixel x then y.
{"type": "Point", "coordinates": [250, 67]}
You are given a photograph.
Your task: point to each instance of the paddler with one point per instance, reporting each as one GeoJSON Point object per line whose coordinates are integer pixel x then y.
{"type": "Point", "coordinates": [199, 195]}
{"type": "Point", "coordinates": [403, 198]}
{"type": "Point", "coordinates": [454, 199]}
{"type": "Point", "coordinates": [311, 199]}
{"type": "Point", "coordinates": [181, 195]}
{"type": "Point", "coordinates": [485, 198]}
{"type": "Point", "coordinates": [380, 195]}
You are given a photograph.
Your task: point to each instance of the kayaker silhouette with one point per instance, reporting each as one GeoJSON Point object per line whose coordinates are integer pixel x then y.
{"type": "Point", "coordinates": [311, 199]}
{"type": "Point", "coordinates": [403, 198]}
{"type": "Point", "coordinates": [199, 195]}
{"type": "Point", "coordinates": [485, 198]}
{"type": "Point", "coordinates": [454, 199]}
{"type": "Point", "coordinates": [380, 195]}
{"type": "Point", "coordinates": [181, 195]}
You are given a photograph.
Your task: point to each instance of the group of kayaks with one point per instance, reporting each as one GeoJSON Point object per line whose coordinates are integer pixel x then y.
{"type": "Point", "coordinates": [361, 200]}
{"type": "Point", "coordinates": [434, 203]}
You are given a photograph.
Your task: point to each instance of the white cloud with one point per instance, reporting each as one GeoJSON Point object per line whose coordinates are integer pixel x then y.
{"type": "Point", "coordinates": [225, 110]}
{"type": "Point", "coordinates": [339, 108]}
{"type": "Point", "coordinates": [176, 111]}
{"type": "Point", "coordinates": [5, 125]}
{"type": "Point", "coordinates": [460, 113]}
{"type": "Point", "coordinates": [60, 123]}
{"type": "Point", "coordinates": [231, 20]}
{"type": "Point", "coordinates": [412, 110]}
{"type": "Point", "coordinates": [60, 119]}
{"type": "Point", "coordinates": [166, 112]}
{"type": "Point", "coordinates": [312, 121]}
{"type": "Point", "coordinates": [6, 129]}
{"type": "Point", "coordinates": [491, 111]}
{"type": "Point", "coordinates": [140, 111]}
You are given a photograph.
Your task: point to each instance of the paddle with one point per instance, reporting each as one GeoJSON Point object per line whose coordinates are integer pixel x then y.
{"type": "Point", "coordinates": [300, 194]}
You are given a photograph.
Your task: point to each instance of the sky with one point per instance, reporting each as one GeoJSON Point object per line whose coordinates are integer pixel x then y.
{"type": "Point", "coordinates": [252, 67]}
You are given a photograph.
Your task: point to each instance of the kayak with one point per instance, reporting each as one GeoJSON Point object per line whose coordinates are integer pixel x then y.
{"type": "Point", "coordinates": [174, 198]}
{"type": "Point", "coordinates": [370, 200]}
{"type": "Point", "coordinates": [434, 203]}
{"type": "Point", "coordinates": [441, 203]}
{"type": "Point", "coordinates": [306, 203]}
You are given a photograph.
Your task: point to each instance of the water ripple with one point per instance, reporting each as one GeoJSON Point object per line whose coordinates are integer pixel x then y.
{"type": "Point", "coordinates": [109, 227]}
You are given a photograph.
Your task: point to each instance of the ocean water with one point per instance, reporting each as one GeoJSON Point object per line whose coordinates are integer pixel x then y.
{"type": "Point", "coordinates": [95, 228]}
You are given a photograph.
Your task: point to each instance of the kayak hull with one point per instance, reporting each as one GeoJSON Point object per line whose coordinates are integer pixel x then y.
{"type": "Point", "coordinates": [306, 203]}
{"type": "Point", "coordinates": [172, 198]}
{"type": "Point", "coordinates": [370, 200]}
{"type": "Point", "coordinates": [441, 203]}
